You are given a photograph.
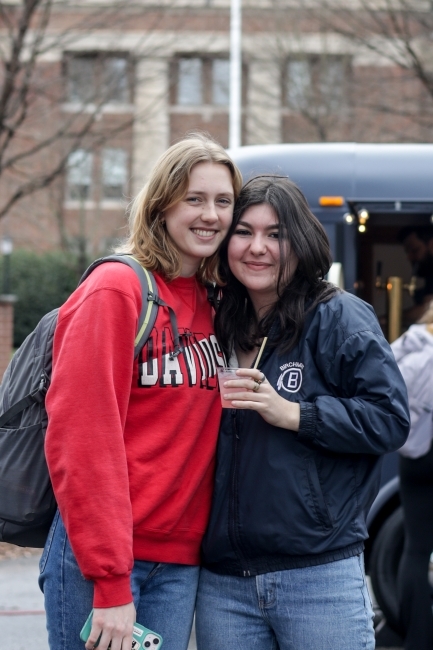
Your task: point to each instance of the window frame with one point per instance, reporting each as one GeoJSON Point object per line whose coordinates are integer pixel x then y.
{"type": "Point", "coordinates": [207, 83]}
{"type": "Point", "coordinates": [89, 159]}
{"type": "Point", "coordinates": [124, 186]}
{"type": "Point", "coordinates": [98, 58]}
{"type": "Point", "coordinates": [319, 99]}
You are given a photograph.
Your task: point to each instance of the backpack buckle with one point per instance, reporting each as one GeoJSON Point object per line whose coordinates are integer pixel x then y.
{"type": "Point", "coordinates": [175, 352]}
{"type": "Point", "coordinates": [39, 394]}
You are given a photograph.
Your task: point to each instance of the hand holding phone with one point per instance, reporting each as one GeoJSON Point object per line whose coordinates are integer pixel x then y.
{"type": "Point", "coordinates": [142, 638]}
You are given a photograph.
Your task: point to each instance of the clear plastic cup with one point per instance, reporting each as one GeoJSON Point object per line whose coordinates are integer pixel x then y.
{"type": "Point", "coordinates": [224, 374]}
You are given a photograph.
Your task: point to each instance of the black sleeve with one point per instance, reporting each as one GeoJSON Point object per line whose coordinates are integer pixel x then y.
{"type": "Point", "coordinates": [369, 413]}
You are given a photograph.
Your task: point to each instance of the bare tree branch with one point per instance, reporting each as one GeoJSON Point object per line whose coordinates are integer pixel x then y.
{"type": "Point", "coordinates": [392, 32]}
{"type": "Point", "coordinates": [38, 130]}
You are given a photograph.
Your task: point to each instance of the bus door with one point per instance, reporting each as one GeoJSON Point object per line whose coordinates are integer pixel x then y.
{"type": "Point", "coordinates": [384, 274]}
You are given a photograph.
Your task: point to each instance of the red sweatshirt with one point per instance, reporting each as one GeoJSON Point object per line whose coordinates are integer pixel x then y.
{"type": "Point", "coordinates": [130, 445]}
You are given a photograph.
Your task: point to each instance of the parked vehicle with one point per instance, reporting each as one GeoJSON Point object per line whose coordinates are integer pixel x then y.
{"type": "Point", "coordinates": [363, 194]}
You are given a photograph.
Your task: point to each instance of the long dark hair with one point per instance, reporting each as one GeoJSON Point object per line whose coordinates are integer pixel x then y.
{"type": "Point", "coordinates": [236, 320]}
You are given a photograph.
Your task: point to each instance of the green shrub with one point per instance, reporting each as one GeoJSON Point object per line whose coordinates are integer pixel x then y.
{"type": "Point", "coordinates": [41, 283]}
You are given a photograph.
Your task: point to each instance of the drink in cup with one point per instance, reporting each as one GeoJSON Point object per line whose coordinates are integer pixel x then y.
{"type": "Point", "coordinates": [226, 374]}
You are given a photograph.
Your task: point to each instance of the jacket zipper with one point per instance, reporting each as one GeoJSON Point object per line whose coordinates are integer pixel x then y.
{"type": "Point", "coordinates": [234, 498]}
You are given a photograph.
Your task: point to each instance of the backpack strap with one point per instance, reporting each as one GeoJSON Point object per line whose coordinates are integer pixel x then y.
{"type": "Point", "coordinates": [213, 295]}
{"type": "Point", "coordinates": [32, 398]}
{"type": "Point", "coordinates": [177, 346]}
{"type": "Point", "coordinates": [149, 292]}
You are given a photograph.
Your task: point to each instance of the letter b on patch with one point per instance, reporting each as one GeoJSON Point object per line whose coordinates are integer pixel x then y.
{"type": "Point", "coordinates": [290, 380]}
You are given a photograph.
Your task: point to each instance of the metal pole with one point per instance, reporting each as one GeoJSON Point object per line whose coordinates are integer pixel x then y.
{"type": "Point", "coordinates": [394, 288]}
{"type": "Point", "coordinates": [235, 74]}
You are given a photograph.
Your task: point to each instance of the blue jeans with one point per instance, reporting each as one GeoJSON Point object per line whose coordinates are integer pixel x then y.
{"type": "Point", "coordinates": [325, 607]}
{"type": "Point", "coordinates": [164, 595]}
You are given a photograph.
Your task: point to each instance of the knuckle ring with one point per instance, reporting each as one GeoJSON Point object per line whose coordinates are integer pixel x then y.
{"type": "Point", "coordinates": [256, 385]}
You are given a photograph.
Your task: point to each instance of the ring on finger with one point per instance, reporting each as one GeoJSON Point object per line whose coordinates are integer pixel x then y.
{"type": "Point", "coordinates": [256, 385]}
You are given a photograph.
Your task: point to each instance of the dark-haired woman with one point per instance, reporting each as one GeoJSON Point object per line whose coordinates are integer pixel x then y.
{"type": "Point", "coordinates": [298, 459]}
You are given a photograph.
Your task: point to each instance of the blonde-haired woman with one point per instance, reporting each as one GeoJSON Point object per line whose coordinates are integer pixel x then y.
{"type": "Point", "coordinates": [130, 444]}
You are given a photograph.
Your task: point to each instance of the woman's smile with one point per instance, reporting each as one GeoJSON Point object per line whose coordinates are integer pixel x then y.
{"type": "Point", "coordinates": [204, 233]}
{"type": "Point", "coordinates": [257, 266]}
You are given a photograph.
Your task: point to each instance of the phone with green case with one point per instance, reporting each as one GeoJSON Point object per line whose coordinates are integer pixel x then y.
{"type": "Point", "coordinates": [142, 638]}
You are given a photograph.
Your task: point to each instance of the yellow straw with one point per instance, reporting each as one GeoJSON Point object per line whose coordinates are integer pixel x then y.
{"type": "Point", "coordinates": [262, 347]}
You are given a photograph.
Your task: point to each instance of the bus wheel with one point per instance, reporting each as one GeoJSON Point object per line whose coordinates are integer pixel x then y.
{"type": "Point", "coordinates": [383, 567]}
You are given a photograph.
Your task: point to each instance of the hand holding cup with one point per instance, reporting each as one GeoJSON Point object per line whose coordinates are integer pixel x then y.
{"type": "Point", "coordinates": [248, 388]}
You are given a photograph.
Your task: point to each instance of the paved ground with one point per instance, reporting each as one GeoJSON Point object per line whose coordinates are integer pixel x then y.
{"type": "Point", "coordinates": [22, 617]}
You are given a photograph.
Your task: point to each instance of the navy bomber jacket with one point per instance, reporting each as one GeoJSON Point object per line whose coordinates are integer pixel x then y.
{"type": "Point", "coordinates": [287, 499]}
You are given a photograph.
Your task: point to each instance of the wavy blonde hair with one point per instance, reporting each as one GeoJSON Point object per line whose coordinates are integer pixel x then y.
{"type": "Point", "coordinates": [148, 239]}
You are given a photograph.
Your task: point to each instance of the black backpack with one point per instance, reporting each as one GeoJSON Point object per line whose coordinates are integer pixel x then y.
{"type": "Point", "coordinates": [27, 503]}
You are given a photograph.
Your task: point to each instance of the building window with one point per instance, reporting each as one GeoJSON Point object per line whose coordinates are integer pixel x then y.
{"type": "Point", "coordinates": [220, 82]}
{"type": "Point", "coordinates": [189, 84]}
{"type": "Point", "coordinates": [114, 173]}
{"type": "Point", "coordinates": [79, 175]}
{"type": "Point", "coordinates": [84, 165]}
{"type": "Point", "coordinates": [116, 79]}
{"type": "Point", "coordinates": [316, 83]}
{"type": "Point", "coordinates": [333, 79]}
{"type": "Point", "coordinates": [97, 78]}
{"type": "Point", "coordinates": [81, 79]}
{"type": "Point", "coordinates": [202, 81]}
{"type": "Point", "coordinates": [298, 83]}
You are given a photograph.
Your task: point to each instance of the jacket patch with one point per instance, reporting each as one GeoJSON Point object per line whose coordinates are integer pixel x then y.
{"type": "Point", "coordinates": [290, 379]}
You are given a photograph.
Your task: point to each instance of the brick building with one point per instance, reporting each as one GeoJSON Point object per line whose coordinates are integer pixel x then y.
{"type": "Point", "coordinates": [151, 72]}
{"type": "Point", "coordinates": [115, 82]}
